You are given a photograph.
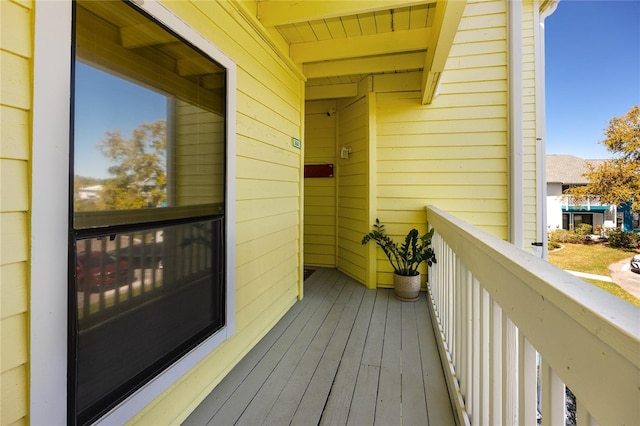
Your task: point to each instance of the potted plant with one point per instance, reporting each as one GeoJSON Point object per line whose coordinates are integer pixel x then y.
{"type": "Point", "coordinates": [404, 259]}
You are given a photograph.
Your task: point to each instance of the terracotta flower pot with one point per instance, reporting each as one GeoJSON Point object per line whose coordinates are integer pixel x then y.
{"type": "Point", "coordinates": [407, 288]}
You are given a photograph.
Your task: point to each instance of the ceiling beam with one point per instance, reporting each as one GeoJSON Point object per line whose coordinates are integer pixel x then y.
{"type": "Point", "coordinates": [145, 34]}
{"type": "Point", "coordinates": [354, 47]}
{"type": "Point", "coordinates": [332, 91]}
{"type": "Point", "coordinates": [280, 12]}
{"type": "Point", "coordinates": [196, 65]}
{"type": "Point", "coordinates": [369, 65]}
{"type": "Point", "coordinates": [447, 18]}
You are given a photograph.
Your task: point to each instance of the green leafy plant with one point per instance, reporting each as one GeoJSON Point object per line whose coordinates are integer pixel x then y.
{"type": "Point", "coordinates": [624, 240]}
{"type": "Point", "coordinates": [554, 246]}
{"type": "Point", "coordinates": [406, 258]}
{"type": "Point", "coordinates": [576, 236]}
{"type": "Point", "coordinates": [584, 229]}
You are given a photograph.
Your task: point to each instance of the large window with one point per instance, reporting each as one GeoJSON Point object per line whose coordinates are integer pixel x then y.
{"type": "Point", "coordinates": [147, 240]}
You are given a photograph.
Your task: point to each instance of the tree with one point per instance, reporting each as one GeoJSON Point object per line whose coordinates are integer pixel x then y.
{"type": "Point", "coordinates": [616, 181]}
{"type": "Point", "coordinates": [139, 170]}
{"type": "Point", "coordinates": [623, 135]}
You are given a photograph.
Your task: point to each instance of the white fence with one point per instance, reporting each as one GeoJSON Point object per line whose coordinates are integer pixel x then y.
{"type": "Point", "coordinates": [514, 329]}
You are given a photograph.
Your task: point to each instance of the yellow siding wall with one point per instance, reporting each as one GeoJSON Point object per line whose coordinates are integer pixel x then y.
{"type": "Point", "coordinates": [320, 193]}
{"type": "Point", "coordinates": [353, 181]}
{"type": "Point", "coordinates": [15, 112]}
{"type": "Point", "coordinates": [529, 112]}
{"type": "Point", "coordinates": [270, 102]}
{"type": "Point", "coordinates": [452, 153]}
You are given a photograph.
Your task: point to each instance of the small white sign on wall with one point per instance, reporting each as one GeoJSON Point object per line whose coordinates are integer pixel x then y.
{"type": "Point", "coordinates": [296, 142]}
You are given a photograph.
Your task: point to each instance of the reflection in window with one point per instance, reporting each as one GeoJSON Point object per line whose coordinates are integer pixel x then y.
{"type": "Point", "coordinates": [147, 281]}
{"type": "Point", "coordinates": [120, 156]}
{"type": "Point", "coordinates": [149, 121]}
{"type": "Point", "coordinates": [140, 296]}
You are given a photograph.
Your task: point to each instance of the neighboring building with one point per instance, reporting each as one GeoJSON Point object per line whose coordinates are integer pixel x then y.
{"type": "Point", "coordinates": [628, 219]}
{"type": "Point", "coordinates": [433, 102]}
{"type": "Point", "coordinates": [90, 192]}
{"type": "Point", "coordinates": [563, 172]}
{"type": "Point", "coordinates": [566, 171]}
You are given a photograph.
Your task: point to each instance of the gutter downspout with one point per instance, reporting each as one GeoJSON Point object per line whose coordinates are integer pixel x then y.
{"type": "Point", "coordinates": [547, 7]}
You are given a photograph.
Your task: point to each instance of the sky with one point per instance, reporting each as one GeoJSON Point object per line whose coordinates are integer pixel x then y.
{"type": "Point", "coordinates": [592, 72]}
{"type": "Point", "coordinates": [104, 102]}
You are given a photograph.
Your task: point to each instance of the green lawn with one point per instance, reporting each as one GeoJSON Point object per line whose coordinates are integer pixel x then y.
{"type": "Point", "coordinates": [593, 259]}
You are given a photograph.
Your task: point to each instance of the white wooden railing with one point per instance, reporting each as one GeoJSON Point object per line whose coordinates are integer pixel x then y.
{"type": "Point", "coordinates": [514, 329]}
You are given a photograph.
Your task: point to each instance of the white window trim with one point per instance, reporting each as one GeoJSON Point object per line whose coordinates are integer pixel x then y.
{"type": "Point", "coordinates": [49, 219]}
{"type": "Point", "coordinates": [49, 214]}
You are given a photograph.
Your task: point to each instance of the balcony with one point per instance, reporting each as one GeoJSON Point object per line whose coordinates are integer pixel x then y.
{"type": "Point", "coordinates": [511, 331]}
{"type": "Point", "coordinates": [341, 355]}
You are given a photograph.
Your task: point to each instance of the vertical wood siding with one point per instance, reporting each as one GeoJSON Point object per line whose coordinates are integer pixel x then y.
{"type": "Point", "coordinates": [16, 38]}
{"type": "Point", "coordinates": [269, 110]}
{"type": "Point", "coordinates": [320, 193]}
{"type": "Point", "coordinates": [353, 181]}
{"type": "Point", "coordinates": [529, 112]}
{"type": "Point", "coordinates": [452, 153]}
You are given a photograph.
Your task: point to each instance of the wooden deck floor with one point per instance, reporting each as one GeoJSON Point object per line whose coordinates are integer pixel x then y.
{"type": "Point", "coordinates": [342, 355]}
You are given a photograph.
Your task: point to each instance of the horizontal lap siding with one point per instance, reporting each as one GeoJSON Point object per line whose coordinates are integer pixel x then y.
{"type": "Point", "coordinates": [320, 193]}
{"type": "Point", "coordinates": [452, 153]}
{"type": "Point", "coordinates": [269, 100]}
{"type": "Point", "coordinates": [352, 214]}
{"type": "Point", "coordinates": [199, 155]}
{"type": "Point", "coordinates": [16, 40]}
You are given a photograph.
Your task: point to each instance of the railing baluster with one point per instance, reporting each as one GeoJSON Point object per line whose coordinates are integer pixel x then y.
{"type": "Point", "coordinates": [154, 258]}
{"type": "Point", "coordinates": [583, 418]}
{"type": "Point", "coordinates": [510, 371]}
{"type": "Point", "coordinates": [477, 353]}
{"type": "Point", "coordinates": [553, 398]}
{"type": "Point", "coordinates": [132, 274]}
{"type": "Point", "coordinates": [495, 363]}
{"type": "Point", "coordinates": [118, 256]}
{"type": "Point", "coordinates": [527, 383]}
{"type": "Point", "coordinates": [485, 364]}
{"type": "Point", "coordinates": [86, 302]}
{"type": "Point", "coordinates": [463, 330]}
{"type": "Point", "coordinates": [470, 350]}
{"type": "Point", "coordinates": [143, 262]}
{"type": "Point", "coordinates": [103, 272]}
{"type": "Point", "coordinates": [452, 302]}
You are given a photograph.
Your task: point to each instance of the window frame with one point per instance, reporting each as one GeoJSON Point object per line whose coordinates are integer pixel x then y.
{"type": "Point", "coordinates": [50, 193]}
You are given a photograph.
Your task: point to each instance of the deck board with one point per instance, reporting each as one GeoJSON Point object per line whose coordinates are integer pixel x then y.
{"type": "Point", "coordinates": [439, 409]}
{"type": "Point", "coordinates": [389, 404]}
{"type": "Point", "coordinates": [269, 391]}
{"type": "Point", "coordinates": [414, 402]}
{"type": "Point", "coordinates": [314, 399]}
{"type": "Point", "coordinates": [342, 355]}
{"type": "Point", "coordinates": [338, 404]}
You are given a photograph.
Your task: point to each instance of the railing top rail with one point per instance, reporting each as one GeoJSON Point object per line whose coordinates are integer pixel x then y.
{"type": "Point", "coordinates": [607, 317]}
